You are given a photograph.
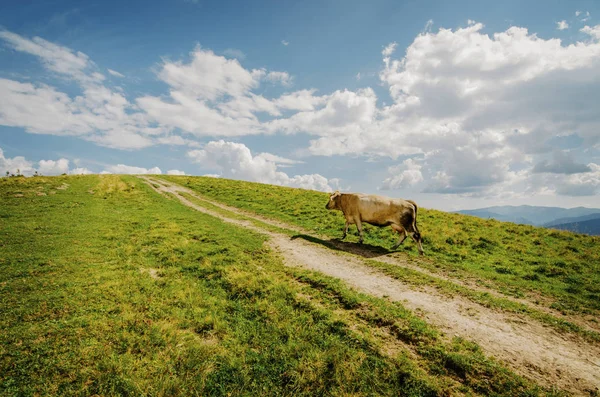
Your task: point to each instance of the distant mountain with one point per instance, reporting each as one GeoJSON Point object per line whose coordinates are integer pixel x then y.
{"type": "Point", "coordinates": [486, 214]}
{"type": "Point", "coordinates": [591, 226]}
{"type": "Point", "coordinates": [530, 215]}
{"type": "Point", "coordinates": [576, 219]}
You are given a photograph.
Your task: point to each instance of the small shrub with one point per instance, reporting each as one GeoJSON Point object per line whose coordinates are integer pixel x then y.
{"type": "Point", "coordinates": [504, 270]}
{"type": "Point", "coordinates": [531, 277]}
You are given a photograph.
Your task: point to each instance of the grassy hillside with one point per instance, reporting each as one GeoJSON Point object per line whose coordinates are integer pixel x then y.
{"type": "Point", "coordinates": [107, 288]}
{"type": "Point", "coordinates": [561, 269]}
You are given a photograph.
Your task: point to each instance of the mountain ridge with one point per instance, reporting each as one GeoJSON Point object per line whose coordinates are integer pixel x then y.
{"type": "Point", "coordinates": [536, 215]}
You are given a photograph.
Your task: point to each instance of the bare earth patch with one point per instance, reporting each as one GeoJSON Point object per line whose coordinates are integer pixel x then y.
{"type": "Point", "coordinates": [152, 272]}
{"type": "Point", "coordinates": [528, 347]}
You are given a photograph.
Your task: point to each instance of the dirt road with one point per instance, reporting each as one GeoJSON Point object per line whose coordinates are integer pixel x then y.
{"type": "Point", "coordinates": [528, 347]}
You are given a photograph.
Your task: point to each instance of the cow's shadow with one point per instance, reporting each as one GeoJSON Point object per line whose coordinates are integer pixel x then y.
{"type": "Point", "coordinates": [364, 250]}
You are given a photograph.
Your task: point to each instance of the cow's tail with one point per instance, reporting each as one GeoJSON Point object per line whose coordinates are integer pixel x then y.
{"type": "Point", "coordinates": [416, 234]}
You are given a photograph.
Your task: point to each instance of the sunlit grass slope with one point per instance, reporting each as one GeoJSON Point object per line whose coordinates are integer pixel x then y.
{"type": "Point", "coordinates": [560, 268]}
{"type": "Point", "coordinates": [107, 288]}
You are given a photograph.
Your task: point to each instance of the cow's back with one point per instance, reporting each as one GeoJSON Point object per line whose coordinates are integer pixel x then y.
{"type": "Point", "coordinates": [380, 210]}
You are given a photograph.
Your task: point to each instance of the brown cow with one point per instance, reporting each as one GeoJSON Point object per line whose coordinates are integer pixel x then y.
{"type": "Point", "coordinates": [380, 211]}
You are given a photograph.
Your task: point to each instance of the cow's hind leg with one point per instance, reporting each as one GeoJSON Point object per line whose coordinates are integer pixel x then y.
{"type": "Point", "coordinates": [346, 229]}
{"type": "Point", "coordinates": [360, 230]}
{"type": "Point", "coordinates": [402, 237]}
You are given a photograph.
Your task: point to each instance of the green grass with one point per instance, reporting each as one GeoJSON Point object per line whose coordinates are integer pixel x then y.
{"type": "Point", "coordinates": [418, 278]}
{"type": "Point", "coordinates": [108, 288]}
{"type": "Point", "coordinates": [557, 268]}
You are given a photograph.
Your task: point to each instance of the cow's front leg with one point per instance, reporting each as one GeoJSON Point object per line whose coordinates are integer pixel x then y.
{"type": "Point", "coordinates": [360, 230]}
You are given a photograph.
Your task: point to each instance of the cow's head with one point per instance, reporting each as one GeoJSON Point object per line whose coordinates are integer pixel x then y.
{"type": "Point", "coordinates": [333, 202]}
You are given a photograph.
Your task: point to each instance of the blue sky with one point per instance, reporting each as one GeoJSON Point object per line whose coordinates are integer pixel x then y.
{"type": "Point", "coordinates": [453, 104]}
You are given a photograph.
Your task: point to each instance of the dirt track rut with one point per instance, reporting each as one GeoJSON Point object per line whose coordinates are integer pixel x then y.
{"type": "Point", "coordinates": [528, 347]}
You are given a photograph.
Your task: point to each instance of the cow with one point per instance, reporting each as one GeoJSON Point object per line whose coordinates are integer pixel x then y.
{"type": "Point", "coordinates": [380, 211]}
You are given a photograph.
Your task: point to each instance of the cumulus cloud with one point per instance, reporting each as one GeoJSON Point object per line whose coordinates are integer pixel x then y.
{"type": "Point", "coordinates": [209, 76]}
{"type": "Point", "coordinates": [175, 172]}
{"type": "Point", "coordinates": [212, 96]}
{"type": "Point", "coordinates": [52, 167]}
{"type": "Point", "coordinates": [279, 77]}
{"type": "Point", "coordinates": [303, 100]}
{"type": "Point", "coordinates": [575, 184]}
{"type": "Point", "coordinates": [26, 167]}
{"type": "Point", "coordinates": [80, 171]}
{"type": "Point", "coordinates": [15, 165]}
{"type": "Point", "coordinates": [343, 112]}
{"type": "Point", "coordinates": [406, 174]}
{"type": "Point", "coordinates": [128, 169]}
{"type": "Point", "coordinates": [562, 163]}
{"type": "Point", "coordinates": [562, 25]}
{"type": "Point", "coordinates": [593, 32]}
{"type": "Point", "coordinates": [235, 161]}
{"type": "Point", "coordinates": [99, 114]}
{"type": "Point", "coordinates": [475, 106]}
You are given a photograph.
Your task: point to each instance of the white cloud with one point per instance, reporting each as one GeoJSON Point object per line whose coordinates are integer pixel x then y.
{"type": "Point", "coordinates": [209, 76]}
{"type": "Point", "coordinates": [475, 105]}
{"type": "Point", "coordinates": [15, 165]}
{"type": "Point", "coordinates": [128, 169]}
{"type": "Point", "coordinates": [562, 25]}
{"type": "Point", "coordinates": [428, 25]}
{"type": "Point", "coordinates": [39, 109]}
{"type": "Point", "coordinates": [115, 73]}
{"type": "Point", "coordinates": [278, 159]}
{"type": "Point", "coordinates": [80, 171]}
{"type": "Point", "coordinates": [562, 163]}
{"type": "Point", "coordinates": [171, 140]}
{"type": "Point", "coordinates": [45, 167]}
{"type": "Point", "coordinates": [343, 112]}
{"type": "Point", "coordinates": [235, 161]}
{"type": "Point", "coordinates": [285, 43]}
{"type": "Point", "coordinates": [592, 31]}
{"type": "Point", "coordinates": [389, 49]}
{"type": "Point", "coordinates": [212, 96]}
{"type": "Point", "coordinates": [406, 174]}
{"type": "Point", "coordinates": [587, 17]}
{"type": "Point", "coordinates": [52, 167]}
{"type": "Point", "coordinates": [300, 100]}
{"type": "Point", "coordinates": [279, 77]}
{"type": "Point", "coordinates": [576, 184]}
{"type": "Point", "coordinates": [175, 172]}
{"type": "Point", "coordinates": [56, 58]}
{"type": "Point", "coordinates": [99, 114]}
{"type": "Point", "coordinates": [234, 53]}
